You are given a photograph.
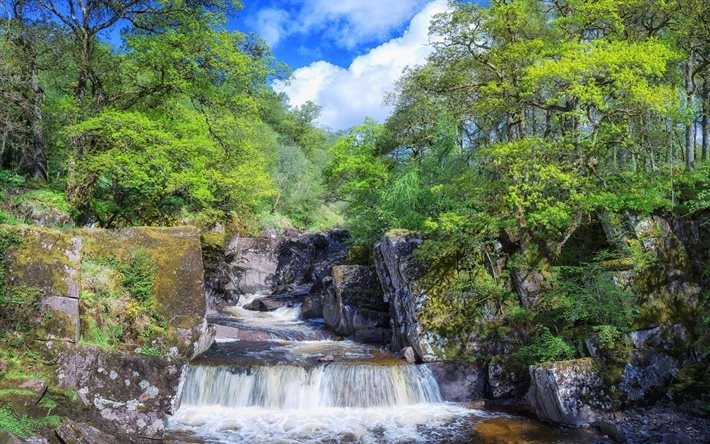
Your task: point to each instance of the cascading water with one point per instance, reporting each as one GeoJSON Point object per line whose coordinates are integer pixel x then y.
{"type": "Point", "coordinates": [292, 387]}
{"type": "Point", "coordinates": [278, 389]}
{"type": "Point", "coordinates": [288, 383]}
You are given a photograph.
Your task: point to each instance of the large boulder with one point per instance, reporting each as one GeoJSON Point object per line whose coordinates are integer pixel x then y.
{"type": "Point", "coordinates": [121, 393]}
{"type": "Point", "coordinates": [354, 304]}
{"type": "Point", "coordinates": [459, 381]}
{"type": "Point", "coordinates": [568, 392]}
{"type": "Point", "coordinates": [178, 290]}
{"type": "Point", "coordinates": [276, 264]}
{"type": "Point", "coordinates": [47, 263]}
{"type": "Point", "coordinates": [399, 279]}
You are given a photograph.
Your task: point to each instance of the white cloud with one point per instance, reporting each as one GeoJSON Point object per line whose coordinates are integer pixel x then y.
{"type": "Point", "coordinates": [272, 24]}
{"type": "Point", "coordinates": [346, 23]}
{"type": "Point", "coordinates": [349, 95]}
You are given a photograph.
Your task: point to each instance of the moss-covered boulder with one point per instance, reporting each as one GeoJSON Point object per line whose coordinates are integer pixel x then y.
{"type": "Point", "coordinates": [45, 264]}
{"type": "Point", "coordinates": [567, 392]}
{"type": "Point", "coordinates": [130, 288]}
{"type": "Point", "coordinates": [176, 297]}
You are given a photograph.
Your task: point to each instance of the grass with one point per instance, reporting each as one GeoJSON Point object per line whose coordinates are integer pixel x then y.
{"type": "Point", "coordinates": [23, 426]}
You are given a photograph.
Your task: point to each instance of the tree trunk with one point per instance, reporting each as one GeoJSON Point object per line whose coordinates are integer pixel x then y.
{"type": "Point", "coordinates": [689, 128]}
{"type": "Point", "coordinates": [39, 158]}
{"type": "Point", "coordinates": [83, 78]}
{"type": "Point", "coordinates": [704, 120]}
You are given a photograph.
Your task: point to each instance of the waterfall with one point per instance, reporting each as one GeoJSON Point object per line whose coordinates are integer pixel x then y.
{"type": "Point", "coordinates": [291, 387]}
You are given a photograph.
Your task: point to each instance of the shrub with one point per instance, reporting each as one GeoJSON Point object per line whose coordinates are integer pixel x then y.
{"type": "Point", "coordinates": [544, 347]}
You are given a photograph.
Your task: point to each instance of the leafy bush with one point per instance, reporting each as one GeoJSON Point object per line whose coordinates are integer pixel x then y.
{"type": "Point", "coordinates": [544, 347]}
{"type": "Point", "coordinates": [588, 294]}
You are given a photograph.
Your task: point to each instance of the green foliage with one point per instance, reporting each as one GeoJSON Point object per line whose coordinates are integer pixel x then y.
{"type": "Point", "coordinates": [10, 178]}
{"type": "Point", "coordinates": [138, 274]}
{"type": "Point", "coordinates": [23, 426]}
{"type": "Point", "coordinates": [131, 169]}
{"type": "Point", "coordinates": [588, 294]}
{"type": "Point", "coordinates": [544, 347]}
{"type": "Point", "coordinates": [118, 306]}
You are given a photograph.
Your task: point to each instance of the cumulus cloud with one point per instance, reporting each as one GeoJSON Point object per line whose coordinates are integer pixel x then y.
{"type": "Point", "coordinates": [346, 23]}
{"type": "Point", "coordinates": [272, 24]}
{"type": "Point", "coordinates": [348, 95]}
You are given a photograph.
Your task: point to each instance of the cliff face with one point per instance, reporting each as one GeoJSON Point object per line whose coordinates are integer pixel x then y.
{"type": "Point", "coordinates": [106, 300]}
{"type": "Point", "coordinates": [399, 279]}
{"type": "Point", "coordinates": [663, 267]}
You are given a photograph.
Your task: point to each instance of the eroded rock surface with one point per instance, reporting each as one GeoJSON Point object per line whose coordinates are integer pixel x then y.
{"type": "Point", "coordinates": [398, 277]}
{"type": "Point", "coordinates": [354, 304]}
{"type": "Point", "coordinates": [122, 393]}
{"type": "Point", "coordinates": [566, 392]}
{"type": "Point", "coordinates": [459, 381]}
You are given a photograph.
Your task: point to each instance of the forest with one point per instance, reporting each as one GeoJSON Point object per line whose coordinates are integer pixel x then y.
{"type": "Point", "coordinates": [532, 125]}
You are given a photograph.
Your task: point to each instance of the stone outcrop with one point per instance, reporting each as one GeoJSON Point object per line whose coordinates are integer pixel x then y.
{"type": "Point", "coordinates": [121, 393]}
{"type": "Point", "coordinates": [50, 263]}
{"type": "Point", "coordinates": [567, 392]}
{"type": "Point", "coordinates": [118, 389]}
{"type": "Point", "coordinates": [459, 381]}
{"type": "Point", "coordinates": [354, 305]}
{"type": "Point", "coordinates": [273, 264]}
{"type": "Point", "coordinates": [398, 277]}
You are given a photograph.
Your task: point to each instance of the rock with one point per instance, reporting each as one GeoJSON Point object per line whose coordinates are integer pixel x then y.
{"type": "Point", "coordinates": [312, 306]}
{"type": "Point", "coordinates": [329, 250]}
{"type": "Point", "coordinates": [611, 430]}
{"type": "Point", "coordinates": [70, 432]}
{"type": "Point", "coordinates": [22, 394]}
{"type": "Point", "coordinates": [254, 261]}
{"type": "Point", "coordinates": [566, 392]}
{"type": "Point", "coordinates": [50, 262]}
{"type": "Point", "coordinates": [399, 280]}
{"type": "Point", "coordinates": [122, 393]}
{"type": "Point", "coordinates": [35, 213]}
{"type": "Point", "coordinates": [353, 305]}
{"type": "Point", "coordinates": [271, 303]}
{"type": "Point", "coordinates": [178, 290]}
{"type": "Point", "coordinates": [530, 284]}
{"type": "Point", "coordinates": [275, 263]}
{"type": "Point", "coordinates": [459, 381]}
{"type": "Point", "coordinates": [9, 438]}
{"type": "Point", "coordinates": [408, 354]}
{"type": "Point", "coordinates": [503, 382]}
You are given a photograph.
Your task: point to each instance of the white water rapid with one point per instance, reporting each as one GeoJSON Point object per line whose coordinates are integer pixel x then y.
{"type": "Point", "coordinates": [281, 380]}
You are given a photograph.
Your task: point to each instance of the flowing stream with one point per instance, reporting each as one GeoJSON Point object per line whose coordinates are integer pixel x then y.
{"type": "Point", "coordinates": [285, 381]}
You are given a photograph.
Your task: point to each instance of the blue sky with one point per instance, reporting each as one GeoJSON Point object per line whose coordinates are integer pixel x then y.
{"type": "Point", "coordinates": [346, 55]}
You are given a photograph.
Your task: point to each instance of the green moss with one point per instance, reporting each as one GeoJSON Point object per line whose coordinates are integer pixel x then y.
{"type": "Point", "coordinates": [24, 426]}
{"type": "Point", "coordinates": [117, 303]}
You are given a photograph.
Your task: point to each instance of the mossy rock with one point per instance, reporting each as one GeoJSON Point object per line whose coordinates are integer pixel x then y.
{"type": "Point", "coordinates": [178, 288]}
{"type": "Point", "coordinates": [48, 263]}
{"type": "Point", "coordinates": [45, 264]}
